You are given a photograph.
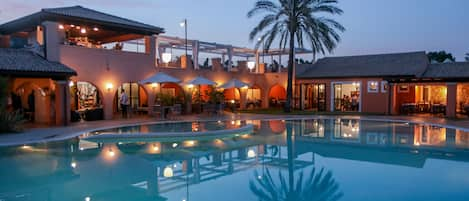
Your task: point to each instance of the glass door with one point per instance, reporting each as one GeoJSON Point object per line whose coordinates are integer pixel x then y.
{"type": "Point", "coordinates": [337, 97]}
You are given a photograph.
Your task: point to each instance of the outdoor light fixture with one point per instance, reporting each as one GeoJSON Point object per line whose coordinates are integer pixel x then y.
{"type": "Point", "coordinates": [61, 26]}
{"type": "Point", "coordinates": [245, 87]}
{"type": "Point", "coordinates": [83, 31]}
{"type": "Point", "coordinates": [251, 153]}
{"type": "Point", "coordinates": [251, 65]}
{"type": "Point", "coordinates": [70, 84]}
{"type": "Point", "coordinates": [73, 165]}
{"type": "Point", "coordinates": [154, 85]}
{"type": "Point", "coordinates": [166, 57]}
{"type": "Point", "coordinates": [109, 86]}
{"type": "Point", "coordinates": [95, 29]}
{"type": "Point", "coordinates": [77, 27]}
{"type": "Point", "coordinates": [72, 25]}
{"type": "Point", "coordinates": [232, 101]}
{"type": "Point", "coordinates": [168, 172]}
{"type": "Point", "coordinates": [190, 86]}
{"type": "Point", "coordinates": [87, 199]}
{"type": "Point", "coordinates": [175, 145]}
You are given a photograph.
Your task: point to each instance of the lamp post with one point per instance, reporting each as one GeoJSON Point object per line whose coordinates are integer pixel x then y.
{"type": "Point", "coordinates": [184, 24]}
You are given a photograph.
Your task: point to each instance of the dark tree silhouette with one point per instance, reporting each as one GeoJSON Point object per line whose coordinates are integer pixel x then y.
{"type": "Point", "coordinates": [440, 56]}
{"type": "Point", "coordinates": [296, 22]}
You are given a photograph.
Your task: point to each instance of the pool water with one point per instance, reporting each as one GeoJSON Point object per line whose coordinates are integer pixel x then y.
{"type": "Point", "coordinates": [316, 159]}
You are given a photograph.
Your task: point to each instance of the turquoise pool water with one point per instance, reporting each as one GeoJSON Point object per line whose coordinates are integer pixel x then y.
{"type": "Point", "coordinates": [327, 159]}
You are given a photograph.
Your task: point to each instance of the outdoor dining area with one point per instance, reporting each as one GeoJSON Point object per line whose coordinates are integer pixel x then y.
{"type": "Point", "coordinates": [198, 95]}
{"type": "Point", "coordinates": [430, 99]}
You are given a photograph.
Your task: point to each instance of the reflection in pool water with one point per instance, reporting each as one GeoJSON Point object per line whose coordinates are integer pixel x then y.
{"type": "Point", "coordinates": [323, 159]}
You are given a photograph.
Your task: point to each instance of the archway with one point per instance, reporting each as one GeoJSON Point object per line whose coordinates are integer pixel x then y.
{"type": "Point", "coordinates": [138, 97]}
{"type": "Point", "coordinates": [277, 96]}
{"type": "Point", "coordinates": [34, 102]}
{"type": "Point", "coordinates": [170, 90]}
{"type": "Point", "coordinates": [85, 101]}
{"type": "Point", "coordinates": [232, 96]}
{"type": "Point", "coordinates": [253, 97]}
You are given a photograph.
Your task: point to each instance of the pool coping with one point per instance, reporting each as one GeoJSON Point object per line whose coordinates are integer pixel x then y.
{"type": "Point", "coordinates": [246, 129]}
{"type": "Point", "coordinates": [253, 117]}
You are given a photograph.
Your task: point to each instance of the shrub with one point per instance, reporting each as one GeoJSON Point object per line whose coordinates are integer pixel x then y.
{"type": "Point", "coordinates": [9, 121]}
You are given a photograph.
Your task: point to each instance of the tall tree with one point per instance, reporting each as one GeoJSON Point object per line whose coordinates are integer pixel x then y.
{"type": "Point", "coordinates": [296, 22]}
{"type": "Point", "coordinates": [440, 56]}
{"type": "Point", "coordinates": [467, 57]}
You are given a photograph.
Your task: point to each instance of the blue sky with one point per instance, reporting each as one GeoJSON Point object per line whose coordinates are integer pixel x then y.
{"type": "Point", "coordinates": [373, 26]}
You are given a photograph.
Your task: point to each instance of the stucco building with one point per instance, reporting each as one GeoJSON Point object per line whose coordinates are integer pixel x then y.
{"type": "Point", "coordinates": [399, 83]}
{"type": "Point", "coordinates": [107, 53]}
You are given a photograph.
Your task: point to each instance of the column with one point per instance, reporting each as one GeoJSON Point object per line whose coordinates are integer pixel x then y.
{"type": "Point", "coordinates": [62, 103]}
{"type": "Point", "coordinates": [53, 38]}
{"type": "Point", "coordinates": [451, 97]}
{"type": "Point", "coordinates": [108, 102]}
{"type": "Point", "coordinates": [257, 62]}
{"type": "Point", "coordinates": [302, 96]}
{"type": "Point", "coordinates": [150, 47]}
{"type": "Point", "coordinates": [243, 97]}
{"type": "Point", "coordinates": [230, 57]}
{"type": "Point", "coordinates": [393, 107]}
{"type": "Point", "coordinates": [195, 53]}
{"type": "Point", "coordinates": [265, 97]}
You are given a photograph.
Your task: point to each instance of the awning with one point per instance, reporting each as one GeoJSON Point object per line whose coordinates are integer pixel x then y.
{"type": "Point", "coordinates": [201, 81]}
{"type": "Point", "coordinates": [234, 83]}
{"type": "Point", "coordinates": [160, 78]}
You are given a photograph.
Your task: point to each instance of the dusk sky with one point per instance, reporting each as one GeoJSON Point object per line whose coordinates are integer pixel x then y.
{"type": "Point", "coordinates": [373, 26]}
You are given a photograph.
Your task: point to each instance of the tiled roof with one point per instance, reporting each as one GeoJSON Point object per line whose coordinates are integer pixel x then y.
{"type": "Point", "coordinates": [22, 61]}
{"type": "Point", "coordinates": [86, 13]}
{"type": "Point", "coordinates": [382, 65]}
{"type": "Point", "coordinates": [77, 14]}
{"type": "Point", "coordinates": [448, 70]}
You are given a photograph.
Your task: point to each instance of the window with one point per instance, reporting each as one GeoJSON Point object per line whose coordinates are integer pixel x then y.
{"type": "Point", "coordinates": [373, 87]}
{"type": "Point", "coordinates": [384, 86]}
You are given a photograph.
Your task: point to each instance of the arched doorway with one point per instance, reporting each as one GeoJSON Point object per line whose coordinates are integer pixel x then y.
{"type": "Point", "coordinates": [85, 101]}
{"type": "Point", "coordinates": [253, 97]}
{"type": "Point", "coordinates": [34, 102]}
{"type": "Point", "coordinates": [277, 96]}
{"type": "Point", "coordinates": [138, 97]}
{"type": "Point", "coordinates": [232, 96]}
{"type": "Point", "coordinates": [173, 90]}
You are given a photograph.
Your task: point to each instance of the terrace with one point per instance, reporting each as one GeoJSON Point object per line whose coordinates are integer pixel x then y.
{"type": "Point", "coordinates": [210, 56]}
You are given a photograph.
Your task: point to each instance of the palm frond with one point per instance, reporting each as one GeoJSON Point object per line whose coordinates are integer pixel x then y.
{"type": "Point", "coordinates": [316, 186]}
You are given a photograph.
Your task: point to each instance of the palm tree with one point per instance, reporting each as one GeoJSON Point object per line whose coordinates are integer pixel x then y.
{"type": "Point", "coordinates": [318, 186]}
{"type": "Point", "coordinates": [296, 21]}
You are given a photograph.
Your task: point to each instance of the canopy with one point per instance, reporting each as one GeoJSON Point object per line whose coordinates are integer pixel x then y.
{"type": "Point", "coordinates": [201, 81]}
{"type": "Point", "coordinates": [234, 83]}
{"type": "Point", "coordinates": [160, 78]}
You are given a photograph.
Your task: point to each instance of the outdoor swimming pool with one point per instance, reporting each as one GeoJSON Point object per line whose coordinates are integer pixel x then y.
{"type": "Point", "coordinates": [314, 159]}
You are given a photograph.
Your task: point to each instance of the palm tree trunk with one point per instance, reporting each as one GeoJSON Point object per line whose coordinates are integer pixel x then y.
{"type": "Point", "coordinates": [290, 73]}
{"type": "Point", "coordinates": [290, 150]}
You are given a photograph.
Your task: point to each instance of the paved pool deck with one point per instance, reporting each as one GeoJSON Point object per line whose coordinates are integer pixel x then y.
{"type": "Point", "coordinates": [39, 135]}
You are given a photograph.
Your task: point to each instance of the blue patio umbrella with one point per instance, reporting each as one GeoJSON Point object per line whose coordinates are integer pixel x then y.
{"type": "Point", "coordinates": [199, 80]}
{"type": "Point", "coordinates": [234, 83]}
{"type": "Point", "coordinates": [160, 77]}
